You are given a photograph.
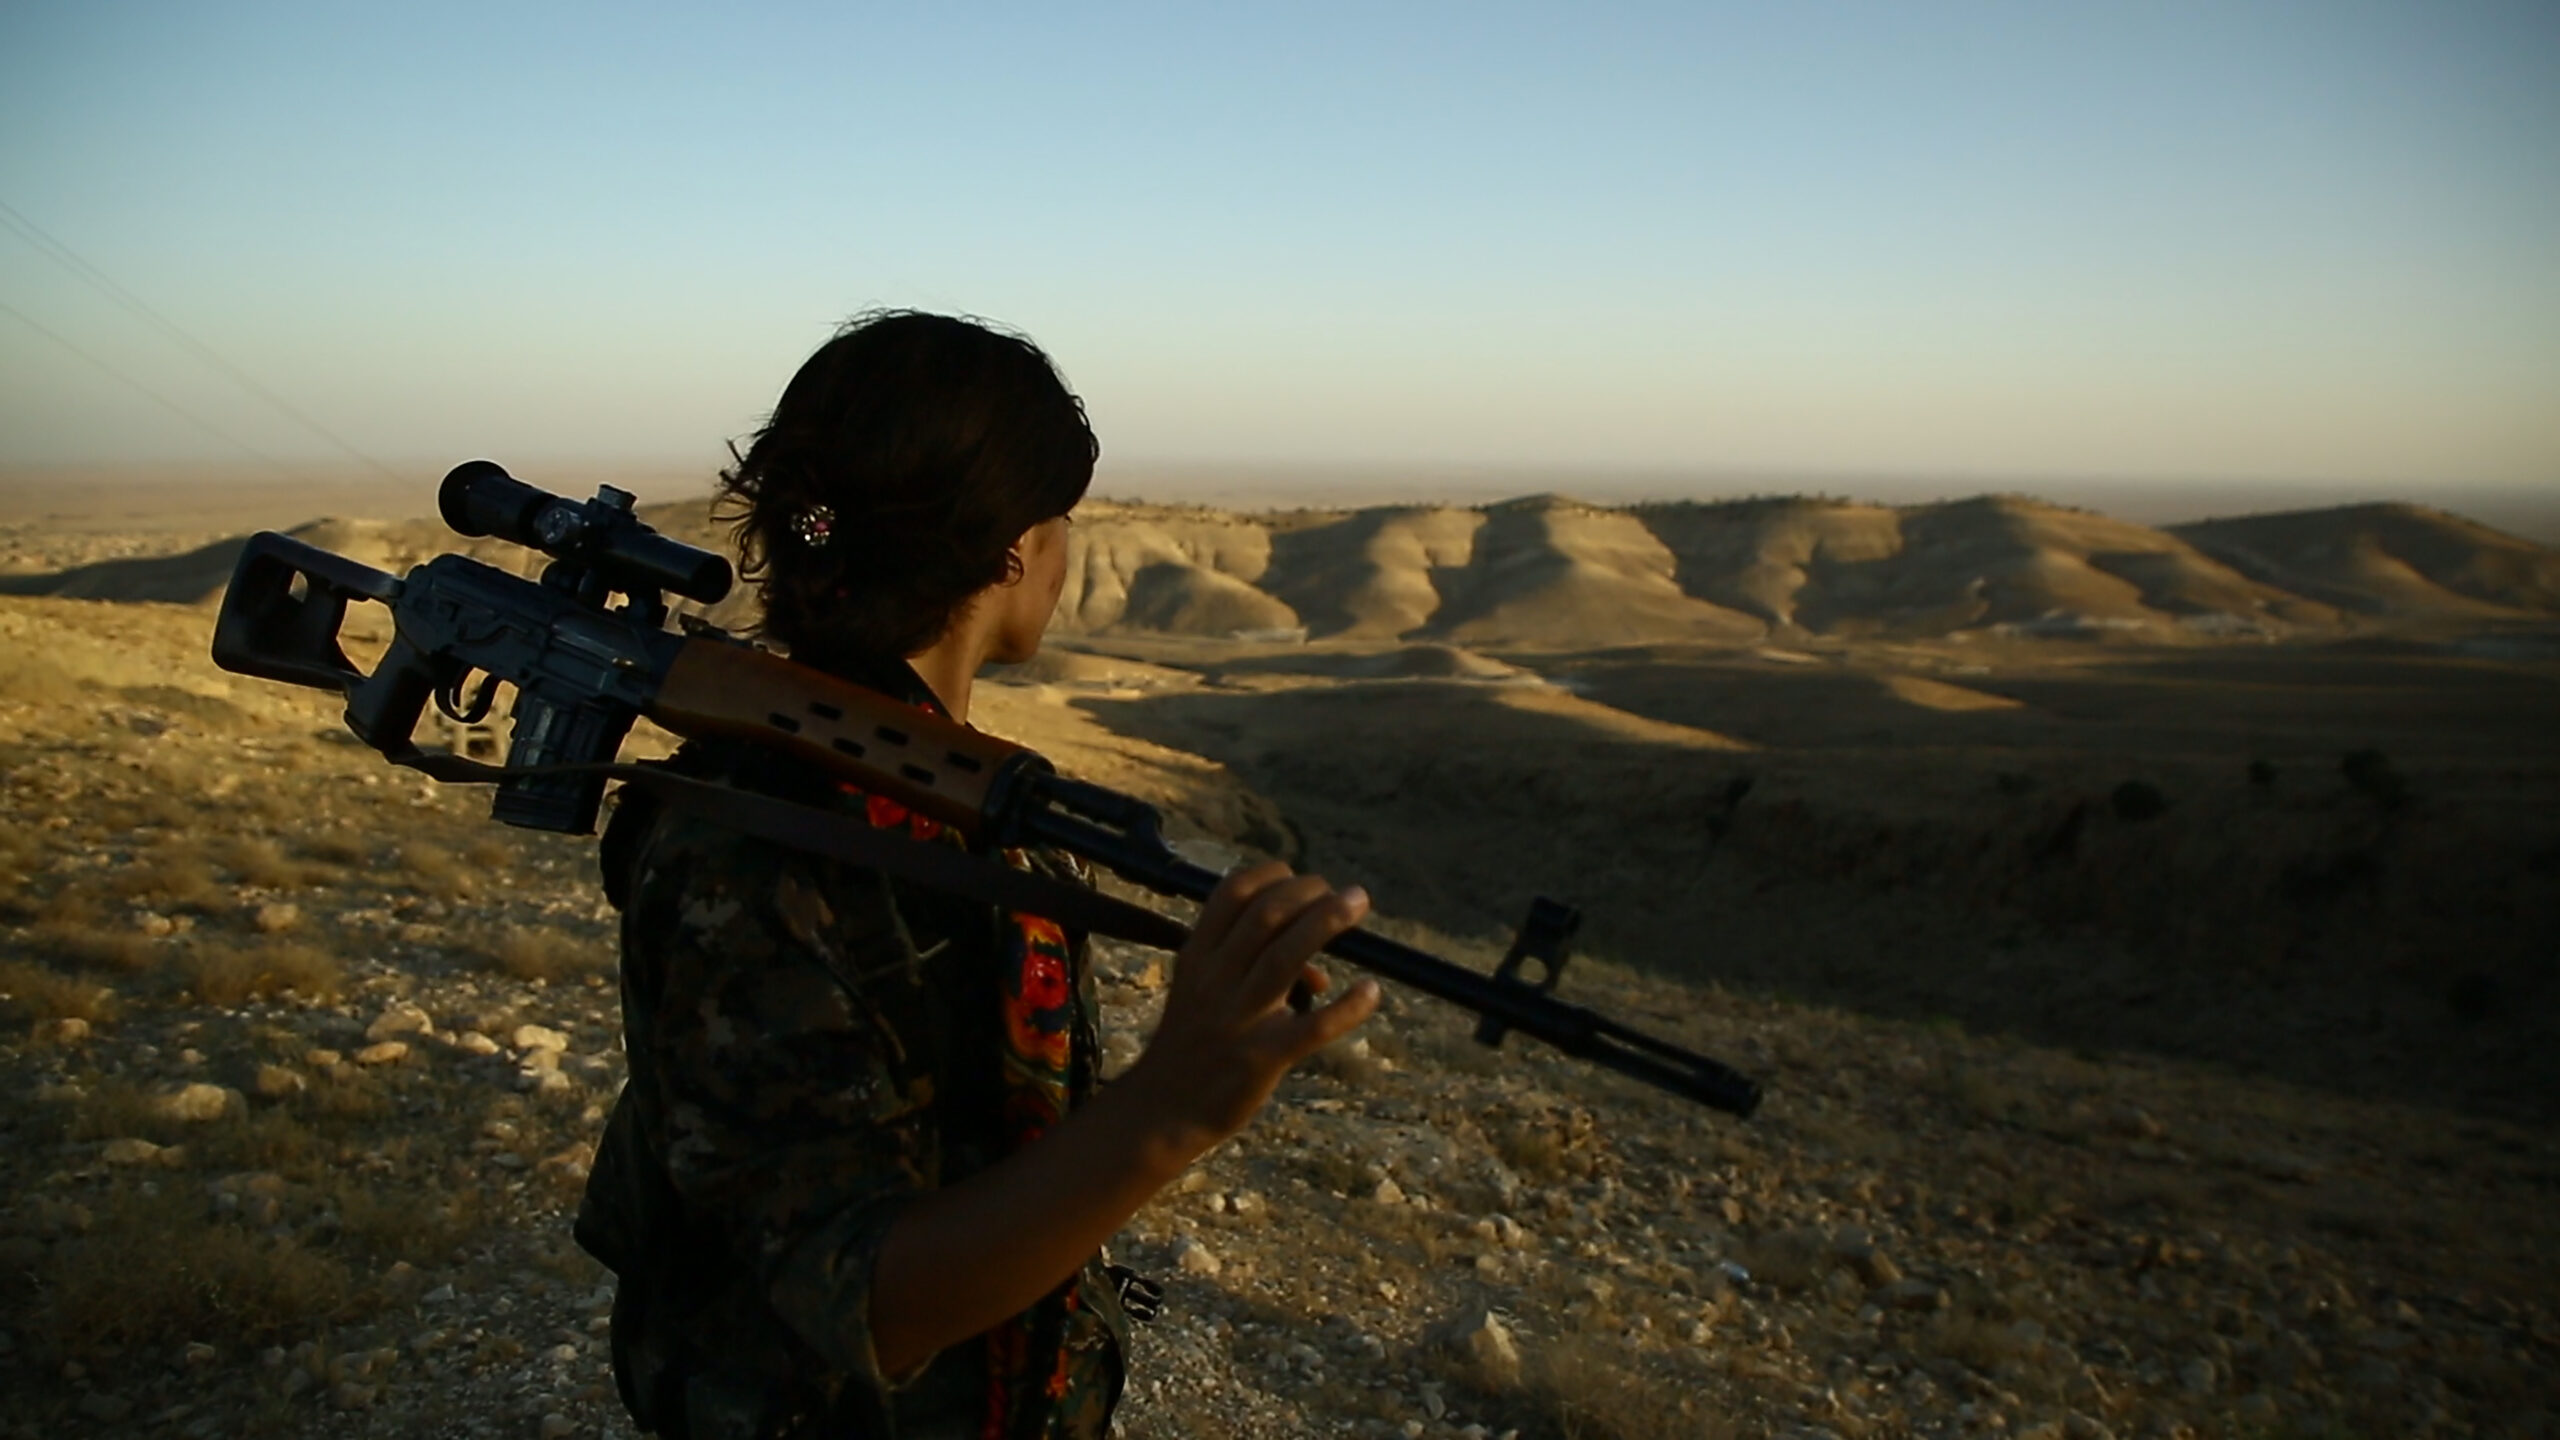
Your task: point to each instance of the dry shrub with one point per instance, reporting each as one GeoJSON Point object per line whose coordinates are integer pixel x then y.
{"type": "Point", "coordinates": [1578, 1387]}
{"type": "Point", "coordinates": [260, 863]}
{"type": "Point", "coordinates": [31, 679]}
{"type": "Point", "coordinates": [32, 992]}
{"type": "Point", "coordinates": [227, 975]}
{"type": "Point", "coordinates": [409, 1223]}
{"type": "Point", "coordinates": [1980, 1339]}
{"type": "Point", "coordinates": [347, 1093]}
{"type": "Point", "coordinates": [1792, 1260]}
{"type": "Point", "coordinates": [118, 950]}
{"type": "Point", "coordinates": [155, 1271]}
{"type": "Point", "coordinates": [173, 878]}
{"type": "Point", "coordinates": [545, 955]}
{"type": "Point", "coordinates": [172, 700]}
{"type": "Point", "coordinates": [117, 1108]}
{"type": "Point", "coordinates": [432, 870]}
{"type": "Point", "coordinates": [338, 850]}
{"type": "Point", "coordinates": [73, 904]}
{"type": "Point", "coordinates": [1548, 1145]}
{"type": "Point", "coordinates": [263, 1139]}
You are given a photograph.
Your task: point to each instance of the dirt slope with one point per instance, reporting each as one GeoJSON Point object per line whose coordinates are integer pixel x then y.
{"type": "Point", "coordinates": [2388, 560]}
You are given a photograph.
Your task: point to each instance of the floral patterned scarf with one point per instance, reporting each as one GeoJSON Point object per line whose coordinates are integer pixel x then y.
{"type": "Point", "coordinates": [1036, 992]}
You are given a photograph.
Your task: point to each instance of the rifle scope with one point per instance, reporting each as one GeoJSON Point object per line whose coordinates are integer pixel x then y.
{"type": "Point", "coordinates": [480, 498]}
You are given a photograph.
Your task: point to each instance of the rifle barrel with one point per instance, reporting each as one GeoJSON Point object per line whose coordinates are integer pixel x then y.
{"type": "Point", "coordinates": [1128, 843]}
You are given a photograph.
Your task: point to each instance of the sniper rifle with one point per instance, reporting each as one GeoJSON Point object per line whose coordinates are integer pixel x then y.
{"type": "Point", "coordinates": [583, 669]}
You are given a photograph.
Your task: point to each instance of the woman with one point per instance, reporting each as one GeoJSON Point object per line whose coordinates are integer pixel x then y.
{"type": "Point", "coordinates": [860, 1178]}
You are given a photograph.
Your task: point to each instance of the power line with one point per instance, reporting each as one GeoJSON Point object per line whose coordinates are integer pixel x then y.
{"type": "Point", "coordinates": [99, 280]}
{"type": "Point", "coordinates": [172, 406]}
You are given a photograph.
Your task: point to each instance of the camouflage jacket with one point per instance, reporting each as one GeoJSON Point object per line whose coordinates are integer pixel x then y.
{"type": "Point", "coordinates": [811, 1044]}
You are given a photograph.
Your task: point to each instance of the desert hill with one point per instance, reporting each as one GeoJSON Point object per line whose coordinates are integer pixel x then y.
{"type": "Point", "coordinates": [2388, 560]}
{"type": "Point", "coordinates": [1548, 573]}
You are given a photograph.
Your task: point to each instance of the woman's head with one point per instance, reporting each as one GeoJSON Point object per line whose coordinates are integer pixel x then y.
{"type": "Point", "coordinates": [901, 467]}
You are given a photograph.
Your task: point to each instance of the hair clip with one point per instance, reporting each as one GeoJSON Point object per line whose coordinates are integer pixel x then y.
{"type": "Point", "coordinates": [814, 525]}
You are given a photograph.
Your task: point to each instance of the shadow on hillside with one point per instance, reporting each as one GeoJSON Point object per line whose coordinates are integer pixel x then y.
{"type": "Point", "coordinates": [188, 579]}
{"type": "Point", "coordinates": [2306, 928]}
{"type": "Point", "coordinates": [2415, 699]}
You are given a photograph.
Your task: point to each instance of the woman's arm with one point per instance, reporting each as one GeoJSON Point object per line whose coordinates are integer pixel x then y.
{"type": "Point", "coordinates": [958, 1260]}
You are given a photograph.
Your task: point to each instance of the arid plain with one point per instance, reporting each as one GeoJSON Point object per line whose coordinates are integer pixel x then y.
{"type": "Point", "coordinates": [2146, 937]}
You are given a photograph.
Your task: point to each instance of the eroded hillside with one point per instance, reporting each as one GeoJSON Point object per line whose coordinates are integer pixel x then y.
{"type": "Point", "coordinates": [1551, 573]}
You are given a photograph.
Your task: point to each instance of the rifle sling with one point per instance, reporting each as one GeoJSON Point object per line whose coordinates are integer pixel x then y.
{"type": "Point", "coordinates": [935, 866]}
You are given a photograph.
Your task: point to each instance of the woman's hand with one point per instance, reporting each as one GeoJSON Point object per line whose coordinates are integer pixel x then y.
{"type": "Point", "coordinates": [1228, 1035]}
{"type": "Point", "coordinates": [960, 1258]}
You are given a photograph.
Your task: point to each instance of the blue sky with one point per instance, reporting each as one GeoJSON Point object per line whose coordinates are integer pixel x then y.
{"type": "Point", "coordinates": [2269, 241]}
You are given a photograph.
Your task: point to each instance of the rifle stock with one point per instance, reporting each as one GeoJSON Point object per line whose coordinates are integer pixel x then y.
{"type": "Point", "coordinates": [957, 775]}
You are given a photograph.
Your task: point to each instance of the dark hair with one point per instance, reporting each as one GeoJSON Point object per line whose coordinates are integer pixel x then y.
{"type": "Point", "coordinates": [901, 464]}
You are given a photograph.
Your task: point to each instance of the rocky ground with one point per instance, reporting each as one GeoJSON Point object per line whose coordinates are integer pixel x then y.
{"type": "Point", "coordinates": [301, 1061]}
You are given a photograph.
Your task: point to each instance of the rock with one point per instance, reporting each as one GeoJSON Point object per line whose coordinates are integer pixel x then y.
{"type": "Point", "coordinates": [441, 1295]}
{"type": "Point", "coordinates": [475, 1043]}
{"type": "Point", "coordinates": [2049, 1430]}
{"type": "Point", "coordinates": [542, 1059]}
{"type": "Point", "coordinates": [1731, 1209]}
{"type": "Point", "coordinates": [1873, 1266]}
{"type": "Point", "coordinates": [556, 1426]}
{"type": "Point", "coordinates": [2080, 1427]}
{"type": "Point", "coordinates": [66, 1030]}
{"type": "Point", "coordinates": [276, 1082]}
{"type": "Point", "coordinates": [130, 1151]}
{"type": "Point", "coordinates": [1388, 1192]}
{"type": "Point", "coordinates": [197, 1355]}
{"type": "Point", "coordinates": [199, 1102]}
{"type": "Point", "coordinates": [1479, 1338]}
{"type": "Point", "coordinates": [539, 1037]}
{"type": "Point", "coordinates": [2259, 1409]}
{"type": "Point", "coordinates": [1245, 1203]}
{"type": "Point", "coordinates": [1193, 1258]}
{"type": "Point", "coordinates": [155, 924]}
{"type": "Point", "coordinates": [2133, 1122]}
{"type": "Point", "coordinates": [2196, 1377]}
{"type": "Point", "coordinates": [1909, 1295]}
{"type": "Point", "coordinates": [387, 1052]}
{"type": "Point", "coordinates": [350, 1395]}
{"type": "Point", "coordinates": [2283, 1165]}
{"type": "Point", "coordinates": [277, 918]}
{"type": "Point", "coordinates": [322, 1059]}
{"type": "Point", "coordinates": [398, 1019]}
{"type": "Point", "coordinates": [108, 1409]}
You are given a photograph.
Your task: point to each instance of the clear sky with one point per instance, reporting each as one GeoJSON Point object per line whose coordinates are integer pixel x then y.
{"type": "Point", "coordinates": [2277, 240]}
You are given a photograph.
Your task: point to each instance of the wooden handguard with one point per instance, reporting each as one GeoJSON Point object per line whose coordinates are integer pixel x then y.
{"type": "Point", "coordinates": [912, 756]}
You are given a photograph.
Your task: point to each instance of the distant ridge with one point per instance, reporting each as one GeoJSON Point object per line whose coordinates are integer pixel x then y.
{"type": "Point", "coordinates": [1552, 572]}
{"type": "Point", "coordinates": [2388, 559]}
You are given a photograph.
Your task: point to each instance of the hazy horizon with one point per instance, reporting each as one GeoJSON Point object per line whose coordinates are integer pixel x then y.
{"type": "Point", "coordinates": [208, 495]}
